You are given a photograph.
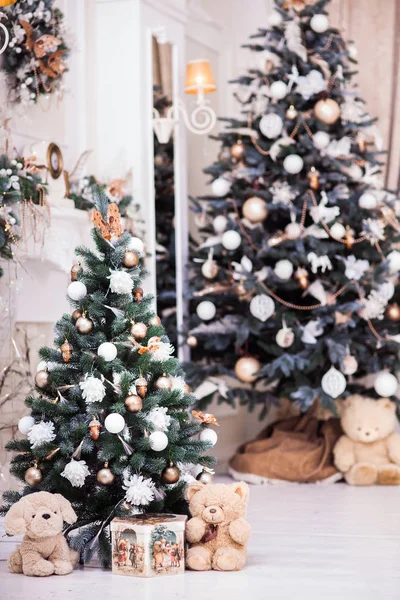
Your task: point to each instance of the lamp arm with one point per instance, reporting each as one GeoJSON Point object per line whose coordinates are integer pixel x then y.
{"type": "Point", "coordinates": [202, 119]}
{"type": "Point", "coordinates": [6, 37]}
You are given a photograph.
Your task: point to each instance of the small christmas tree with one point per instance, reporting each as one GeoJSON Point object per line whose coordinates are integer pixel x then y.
{"type": "Point", "coordinates": [294, 289]}
{"type": "Point", "coordinates": [109, 428]}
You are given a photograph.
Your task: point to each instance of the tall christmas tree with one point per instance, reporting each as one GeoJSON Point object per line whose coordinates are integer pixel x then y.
{"type": "Point", "coordinates": [294, 288]}
{"type": "Point", "coordinates": [109, 427]}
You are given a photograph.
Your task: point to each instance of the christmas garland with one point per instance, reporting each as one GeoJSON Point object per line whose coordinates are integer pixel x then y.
{"type": "Point", "coordinates": [34, 58]}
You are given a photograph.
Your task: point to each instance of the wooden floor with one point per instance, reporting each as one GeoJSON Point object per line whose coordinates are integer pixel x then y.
{"type": "Point", "coordinates": [309, 542]}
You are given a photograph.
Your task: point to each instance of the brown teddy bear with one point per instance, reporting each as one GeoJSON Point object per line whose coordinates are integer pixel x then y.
{"type": "Point", "coordinates": [218, 532]}
{"type": "Point", "coordinates": [369, 452]}
{"type": "Point", "coordinates": [44, 549]}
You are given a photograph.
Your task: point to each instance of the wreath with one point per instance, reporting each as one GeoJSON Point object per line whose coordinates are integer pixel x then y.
{"type": "Point", "coordinates": [35, 56]}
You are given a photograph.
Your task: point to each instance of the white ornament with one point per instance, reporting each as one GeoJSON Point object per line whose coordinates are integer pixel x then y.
{"type": "Point", "coordinates": [350, 365]}
{"type": "Point", "coordinates": [338, 231]}
{"type": "Point", "coordinates": [162, 350]}
{"type": "Point", "coordinates": [293, 164]}
{"type": "Point", "coordinates": [136, 245]}
{"type": "Point", "coordinates": [285, 337]}
{"type": "Point", "coordinates": [367, 201]}
{"type": "Point", "coordinates": [386, 290]}
{"type": "Point", "coordinates": [159, 418]}
{"type": "Point", "coordinates": [209, 435]}
{"type": "Point", "coordinates": [311, 331]}
{"type": "Point", "coordinates": [310, 84]}
{"type": "Point", "coordinates": [219, 223]}
{"type": "Point", "coordinates": [108, 351]}
{"type": "Point", "coordinates": [284, 269]}
{"type": "Point", "coordinates": [42, 366]}
{"type": "Point", "coordinates": [271, 125]}
{"type": "Point", "coordinates": [355, 268]}
{"type": "Point", "coordinates": [386, 384]}
{"type": "Point", "coordinates": [114, 423]}
{"type": "Point", "coordinates": [374, 305]}
{"type": "Point", "coordinates": [333, 383]}
{"type": "Point", "coordinates": [220, 187]}
{"type": "Point", "coordinates": [355, 172]}
{"type": "Point", "coordinates": [374, 230]}
{"type": "Point", "coordinates": [120, 282]}
{"type": "Point", "coordinates": [25, 424]}
{"type": "Point", "coordinates": [278, 90]}
{"type": "Point", "coordinates": [394, 261]}
{"type": "Point", "coordinates": [231, 239]}
{"type": "Point", "coordinates": [158, 441]}
{"type": "Point", "coordinates": [178, 384]}
{"type": "Point", "coordinates": [139, 490]}
{"type": "Point", "coordinates": [41, 433]}
{"type": "Point", "coordinates": [262, 307]}
{"type": "Point", "coordinates": [278, 146]}
{"type": "Point", "coordinates": [319, 23]}
{"type": "Point", "coordinates": [76, 472]}
{"type": "Point", "coordinates": [321, 139]}
{"type": "Point", "coordinates": [274, 19]}
{"type": "Point", "coordinates": [282, 193]}
{"type": "Point", "coordinates": [319, 262]}
{"type": "Point", "coordinates": [206, 310]}
{"type": "Point", "coordinates": [352, 50]}
{"type": "Point", "coordinates": [323, 212]}
{"type": "Point", "coordinates": [339, 147]}
{"type": "Point", "coordinates": [93, 389]}
{"type": "Point", "coordinates": [293, 231]}
{"type": "Point", "coordinates": [77, 290]}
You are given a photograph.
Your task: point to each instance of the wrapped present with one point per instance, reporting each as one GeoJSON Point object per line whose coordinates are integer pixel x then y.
{"type": "Point", "coordinates": [148, 545]}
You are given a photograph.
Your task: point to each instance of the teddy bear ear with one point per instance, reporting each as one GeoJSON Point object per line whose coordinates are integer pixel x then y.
{"type": "Point", "coordinates": [191, 490]}
{"type": "Point", "coordinates": [14, 522]}
{"type": "Point", "coordinates": [242, 489]}
{"type": "Point", "coordinates": [68, 513]}
{"type": "Point", "coordinates": [386, 403]}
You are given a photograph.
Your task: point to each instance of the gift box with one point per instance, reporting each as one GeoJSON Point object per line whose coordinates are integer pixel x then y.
{"type": "Point", "coordinates": [148, 545]}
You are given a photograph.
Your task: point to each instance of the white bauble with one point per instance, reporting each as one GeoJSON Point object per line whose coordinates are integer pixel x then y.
{"type": "Point", "coordinates": [136, 245]}
{"type": "Point", "coordinates": [114, 423]}
{"type": "Point", "coordinates": [262, 307]}
{"type": "Point", "coordinates": [108, 351]}
{"type": "Point", "coordinates": [220, 187]}
{"type": "Point", "coordinates": [275, 19]}
{"type": "Point", "coordinates": [293, 164]}
{"type": "Point", "coordinates": [219, 223]}
{"type": "Point", "coordinates": [321, 139]}
{"type": "Point", "coordinates": [206, 310]}
{"type": "Point", "coordinates": [42, 366]}
{"type": "Point", "coordinates": [319, 23]}
{"type": "Point", "coordinates": [284, 269]}
{"type": "Point", "coordinates": [293, 231]}
{"type": "Point", "coordinates": [394, 261]}
{"type": "Point", "coordinates": [25, 424]}
{"type": "Point", "coordinates": [231, 239]}
{"type": "Point", "coordinates": [77, 290]}
{"type": "Point", "coordinates": [333, 383]}
{"type": "Point", "coordinates": [285, 337]}
{"type": "Point", "coordinates": [350, 365]}
{"type": "Point", "coordinates": [367, 201]}
{"type": "Point", "coordinates": [355, 172]}
{"type": "Point", "coordinates": [386, 384]}
{"type": "Point", "coordinates": [338, 231]}
{"type": "Point", "coordinates": [158, 441]}
{"type": "Point", "coordinates": [278, 90]}
{"type": "Point", "coordinates": [271, 125]}
{"type": "Point", "coordinates": [352, 50]}
{"type": "Point", "coordinates": [209, 435]}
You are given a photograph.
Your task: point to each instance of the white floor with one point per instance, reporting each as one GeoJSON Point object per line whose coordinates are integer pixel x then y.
{"type": "Point", "coordinates": [309, 542]}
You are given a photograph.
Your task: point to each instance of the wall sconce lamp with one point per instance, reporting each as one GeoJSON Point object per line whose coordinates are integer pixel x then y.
{"type": "Point", "coordinates": [199, 81]}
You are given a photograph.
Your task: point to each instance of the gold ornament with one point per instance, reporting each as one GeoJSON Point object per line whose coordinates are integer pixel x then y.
{"type": "Point", "coordinates": [205, 418]}
{"type": "Point", "coordinates": [209, 269]}
{"type": "Point", "coordinates": [255, 210]}
{"type": "Point", "coordinates": [33, 475]}
{"type": "Point", "coordinates": [84, 325]}
{"type": "Point", "coordinates": [95, 427]}
{"type": "Point", "coordinates": [237, 150]}
{"type": "Point", "coordinates": [246, 369]}
{"type": "Point", "coordinates": [349, 365]}
{"type": "Point", "coordinates": [291, 112]}
{"type": "Point", "coordinates": [349, 237]}
{"type": "Point", "coordinates": [327, 111]}
{"type": "Point", "coordinates": [393, 312]}
{"type": "Point", "coordinates": [285, 337]}
{"type": "Point", "coordinates": [138, 294]}
{"type": "Point", "coordinates": [205, 477]}
{"type": "Point", "coordinates": [75, 270]}
{"type": "Point", "coordinates": [361, 142]}
{"type": "Point", "coordinates": [155, 320]}
{"type": "Point", "coordinates": [66, 351]}
{"type": "Point", "coordinates": [163, 383]}
{"type": "Point", "coordinates": [192, 341]}
{"type": "Point", "coordinates": [105, 476]}
{"type": "Point", "coordinates": [301, 277]}
{"type": "Point", "coordinates": [313, 178]}
{"type": "Point", "coordinates": [298, 5]}
{"type": "Point", "coordinates": [342, 318]}
{"type": "Point", "coordinates": [133, 403]}
{"type": "Point", "coordinates": [170, 474]}
{"type": "Point", "coordinates": [42, 379]}
{"type": "Point", "coordinates": [76, 314]}
{"type": "Point", "coordinates": [138, 330]}
{"type": "Point", "coordinates": [141, 386]}
{"type": "Point", "coordinates": [130, 260]}
{"type": "Point", "coordinates": [239, 289]}
{"type": "Point", "coordinates": [186, 389]}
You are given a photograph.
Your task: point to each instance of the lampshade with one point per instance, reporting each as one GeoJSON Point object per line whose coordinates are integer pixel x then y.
{"type": "Point", "coordinates": [199, 76]}
{"type": "Point", "coordinates": [7, 2]}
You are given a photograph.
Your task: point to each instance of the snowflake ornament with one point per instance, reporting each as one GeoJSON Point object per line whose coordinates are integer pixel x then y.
{"type": "Point", "coordinates": [282, 193]}
{"type": "Point", "coordinates": [76, 472]}
{"type": "Point", "coordinates": [93, 389]}
{"type": "Point", "coordinates": [41, 433]}
{"type": "Point", "coordinates": [374, 230]}
{"type": "Point", "coordinates": [159, 418]}
{"type": "Point", "coordinates": [353, 111]}
{"type": "Point", "coordinates": [120, 282]}
{"type": "Point", "coordinates": [355, 269]}
{"type": "Point", "coordinates": [139, 490]}
{"type": "Point", "coordinates": [374, 305]}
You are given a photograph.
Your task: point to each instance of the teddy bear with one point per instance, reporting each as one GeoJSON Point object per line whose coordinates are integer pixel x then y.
{"type": "Point", "coordinates": [44, 549]}
{"type": "Point", "coordinates": [369, 451]}
{"type": "Point", "coordinates": [217, 531]}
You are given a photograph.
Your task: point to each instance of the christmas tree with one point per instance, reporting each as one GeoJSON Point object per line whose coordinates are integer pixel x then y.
{"type": "Point", "coordinates": [109, 427]}
{"type": "Point", "coordinates": [294, 288]}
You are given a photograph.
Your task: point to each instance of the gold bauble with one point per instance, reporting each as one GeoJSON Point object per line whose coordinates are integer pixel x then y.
{"type": "Point", "coordinates": [163, 383]}
{"type": "Point", "coordinates": [75, 270]}
{"type": "Point", "coordinates": [327, 111]}
{"type": "Point", "coordinates": [139, 330]}
{"type": "Point", "coordinates": [155, 320]}
{"type": "Point", "coordinates": [76, 314]}
{"type": "Point", "coordinates": [133, 403]}
{"type": "Point", "coordinates": [171, 474]}
{"type": "Point", "coordinates": [246, 367]}
{"type": "Point", "coordinates": [291, 112]}
{"type": "Point", "coordinates": [301, 276]}
{"type": "Point", "coordinates": [131, 259]}
{"type": "Point", "coordinates": [237, 150]}
{"type": "Point", "coordinates": [209, 269]}
{"type": "Point", "coordinates": [141, 386]}
{"type": "Point", "coordinates": [186, 389]}
{"type": "Point", "coordinates": [138, 294]}
{"type": "Point", "coordinates": [205, 477]}
{"type": "Point", "coordinates": [42, 379]}
{"type": "Point", "coordinates": [393, 312]}
{"type": "Point", "coordinates": [255, 209]}
{"type": "Point", "coordinates": [313, 178]}
{"type": "Point", "coordinates": [95, 427]}
{"type": "Point", "coordinates": [33, 476]}
{"type": "Point", "coordinates": [349, 237]}
{"type": "Point", "coordinates": [84, 325]}
{"type": "Point", "coordinates": [192, 341]}
{"type": "Point", "coordinates": [66, 351]}
{"type": "Point", "coordinates": [105, 475]}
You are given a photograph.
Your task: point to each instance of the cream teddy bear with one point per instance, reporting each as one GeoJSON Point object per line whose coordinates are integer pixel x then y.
{"type": "Point", "coordinates": [44, 549]}
{"type": "Point", "coordinates": [217, 531]}
{"type": "Point", "coordinates": [369, 452]}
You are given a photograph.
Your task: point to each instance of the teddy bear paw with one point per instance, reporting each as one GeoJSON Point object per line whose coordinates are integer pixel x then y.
{"type": "Point", "coordinates": [362, 474]}
{"type": "Point", "coordinates": [198, 559]}
{"type": "Point", "coordinates": [41, 568]}
{"type": "Point", "coordinates": [228, 559]}
{"type": "Point", "coordinates": [62, 567]}
{"type": "Point", "coordinates": [389, 475]}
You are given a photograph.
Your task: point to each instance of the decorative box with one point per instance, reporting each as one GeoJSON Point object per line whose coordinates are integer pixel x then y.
{"type": "Point", "coordinates": [148, 545]}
